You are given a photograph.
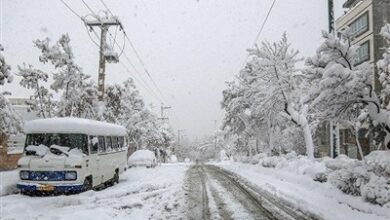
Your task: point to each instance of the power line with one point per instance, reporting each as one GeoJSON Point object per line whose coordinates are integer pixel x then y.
{"type": "Point", "coordinates": [146, 87]}
{"type": "Point", "coordinates": [75, 13]}
{"type": "Point", "coordinates": [263, 25]}
{"type": "Point", "coordinates": [259, 32]}
{"type": "Point", "coordinates": [125, 55]}
{"type": "Point", "coordinates": [136, 53]}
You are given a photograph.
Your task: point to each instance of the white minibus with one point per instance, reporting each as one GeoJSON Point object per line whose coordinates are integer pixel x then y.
{"type": "Point", "coordinates": [68, 155]}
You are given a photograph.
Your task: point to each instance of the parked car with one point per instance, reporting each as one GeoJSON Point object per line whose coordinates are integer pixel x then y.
{"type": "Point", "coordinates": [145, 158]}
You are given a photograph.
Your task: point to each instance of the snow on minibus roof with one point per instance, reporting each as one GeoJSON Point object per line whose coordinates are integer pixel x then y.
{"type": "Point", "coordinates": [73, 125]}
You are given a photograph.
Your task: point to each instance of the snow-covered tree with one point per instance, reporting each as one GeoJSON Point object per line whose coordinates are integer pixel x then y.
{"type": "Point", "coordinates": [124, 105]}
{"type": "Point", "coordinates": [41, 101]}
{"type": "Point", "coordinates": [339, 82]}
{"type": "Point", "coordinates": [79, 93]}
{"type": "Point", "coordinates": [275, 86]}
{"type": "Point", "coordinates": [266, 102]}
{"type": "Point", "coordinates": [384, 69]}
{"type": "Point", "coordinates": [10, 121]}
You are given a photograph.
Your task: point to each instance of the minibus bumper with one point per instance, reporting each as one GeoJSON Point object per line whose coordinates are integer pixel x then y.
{"type": "Point", "coordinates": [49, 188]}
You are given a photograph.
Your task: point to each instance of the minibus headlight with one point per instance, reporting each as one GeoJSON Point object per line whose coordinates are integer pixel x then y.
{"type": "Point", "coordinates": [70, 175]}
{"type": "Point", "coordinates": [24, 175]}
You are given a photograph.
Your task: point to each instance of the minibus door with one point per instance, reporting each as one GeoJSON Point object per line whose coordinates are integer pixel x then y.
{"type": "Point", "coordinates": [93, 161]}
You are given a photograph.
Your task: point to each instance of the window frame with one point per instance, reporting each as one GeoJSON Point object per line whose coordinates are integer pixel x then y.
{"type": "Point", "coordinates": [91, 151]}
{"type": "Point", "coordinates": [368, 42]}
{"type": "Point", "coordinates": [101, 144]}
{"type": "Point", "coordinates": [114, 142]}
{"type": "Point", "coordinates": [121, 142]}
{"type": "Point", "coordinates": [108, 142]}
{"type": "Point", "coordinates": [356, 20]}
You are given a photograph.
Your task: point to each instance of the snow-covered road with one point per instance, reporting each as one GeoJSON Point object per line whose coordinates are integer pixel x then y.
{"type": "Point", "coordinates": [217, 194]}
{"type": "Point", "coordinates": [141, 194]}
{"type": "Point", "coordinates": [183, 191]}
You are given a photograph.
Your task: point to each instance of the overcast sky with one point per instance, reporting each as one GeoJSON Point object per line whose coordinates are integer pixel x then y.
{"type": "Point", "coordinates": [190, 47]}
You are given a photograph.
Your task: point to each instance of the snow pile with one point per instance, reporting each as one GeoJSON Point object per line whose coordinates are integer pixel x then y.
{"type": "Point", "coordinates": [369, 179]}
{"type": "Point", "coordinates": [290, 162]}
{"type": "Point", "coordinates": [349, 180]}
{"type": "Point", "coordinates": [302, 165]}
{"type": "Point", "coordinates": [377, 191]}
{"type": "Point", "coordinates": [8, 180]}
{"type": "Point", "coordinates": [341, 162]}
{"type": "Point", "coordinates": [378, 162]}
{"type": "Point", "coordinates": [173, 159]}
{"type": "Point", "coordinates": [40, 150]}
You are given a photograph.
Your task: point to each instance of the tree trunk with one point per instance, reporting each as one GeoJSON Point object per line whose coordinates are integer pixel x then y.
{"type": "Point", "coordinates": [301, 120]}
{"type": "Point", "coordinates": [358, 143]}
{"type": "Point", "coordinates": [308, 141]}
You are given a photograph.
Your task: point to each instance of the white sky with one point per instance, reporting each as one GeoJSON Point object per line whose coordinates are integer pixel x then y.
{"type": "Point", "coordinates": [190, 47]}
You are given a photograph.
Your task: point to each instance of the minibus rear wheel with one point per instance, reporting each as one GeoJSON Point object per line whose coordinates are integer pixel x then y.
{"type": "Point", "coordinates": [88, 183]}
{"type": "Point", "coordinates": [116, 176]}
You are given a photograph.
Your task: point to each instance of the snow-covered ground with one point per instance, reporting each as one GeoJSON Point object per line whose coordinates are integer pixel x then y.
{"type": "Point", "coordinates": [141, 194]}
{"type": "Point", "coordinates": [8, 181]}
{"type": "Point", "coordinates": [302, 192]}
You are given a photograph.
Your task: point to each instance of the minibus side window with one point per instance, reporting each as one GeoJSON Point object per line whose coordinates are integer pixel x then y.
{"type": "Point", "coordinates": [114, 142]}
{"type": "Point", "coordinates": [108, 144]}
{"type": "Point", "coordinates": [93, 144]}
{"type": "Point", "coordinates": [121, 142]}
{"type": "Point", "coordinates": [101, 144]}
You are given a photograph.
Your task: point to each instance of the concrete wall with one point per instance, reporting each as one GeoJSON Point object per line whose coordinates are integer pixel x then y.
{"type": "Point", "coordinates": [8, 161]}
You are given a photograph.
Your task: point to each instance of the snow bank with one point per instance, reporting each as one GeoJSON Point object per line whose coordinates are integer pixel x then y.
{"type": "Point", "coordinates": [306, 195]}
{"type": "Point", "coordinates": [291, 163]}
{"type": "Point", "coordinates": [379, 162]}
{"type": "Point", "coordinates": [369, 179]}
{"type": "Point", "coordinates": [73, 125]}
{"type": "Point", "coordinates": [8, 180]}
{"type": "Point", "coordinates": [173, 159]}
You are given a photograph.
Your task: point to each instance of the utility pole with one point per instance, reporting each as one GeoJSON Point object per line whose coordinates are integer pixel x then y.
{"type": "Point", "coordinates": [333, 126]}
{"type": "Point", "coordinates": [162, 111]}
{"type": "Point", "coordinates": [331, 15]}
{"type": "Point", "coordinates": [178, 135]}
{"type": "Point", "coordinates": [105, 54]}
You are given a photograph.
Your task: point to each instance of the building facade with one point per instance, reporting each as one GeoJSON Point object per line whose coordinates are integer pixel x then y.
{"type": "Point", "coordinates": [10, 154]}
{"type": "Point", "coordinates": [364, 18]}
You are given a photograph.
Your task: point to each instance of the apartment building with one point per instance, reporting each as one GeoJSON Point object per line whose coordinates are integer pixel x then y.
{"type": "Point", "coordinates": [365, 18]}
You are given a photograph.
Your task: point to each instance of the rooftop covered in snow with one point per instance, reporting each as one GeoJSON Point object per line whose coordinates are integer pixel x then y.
{"type": "Point", "coordinates": [73, 125]}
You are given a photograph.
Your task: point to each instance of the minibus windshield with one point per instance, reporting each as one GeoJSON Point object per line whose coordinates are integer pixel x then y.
{"type": "Point", "coordinates": [79, 141]}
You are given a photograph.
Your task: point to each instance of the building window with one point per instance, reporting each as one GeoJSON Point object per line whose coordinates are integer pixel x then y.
{"type": "Point", "coordinates": [360, 25]}
{"type": "Point", "coordinates": [363, 53]}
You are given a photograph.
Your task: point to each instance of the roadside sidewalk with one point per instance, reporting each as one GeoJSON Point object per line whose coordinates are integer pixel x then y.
{"type": "Point", "coordinates": [303, 193]}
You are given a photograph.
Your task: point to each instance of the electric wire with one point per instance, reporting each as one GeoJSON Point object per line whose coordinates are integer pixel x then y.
{"type": "Point", "coordinates": [259, 32]}
{"type": "Point", "coordinates": [137, 54]}
{"type": "Point", "coordinates": [125, 55]}
{"type": "Point", "coordinates": [149, 90]}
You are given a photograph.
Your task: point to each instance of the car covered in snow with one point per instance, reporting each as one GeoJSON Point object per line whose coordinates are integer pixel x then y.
{"type": "Point", "coordinates": [67, 155]}
{"type": "Point", "coordinates": [145, 158]}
